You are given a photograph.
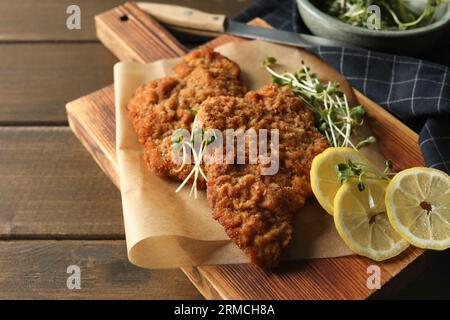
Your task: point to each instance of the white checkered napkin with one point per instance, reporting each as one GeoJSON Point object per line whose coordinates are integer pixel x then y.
{"type": "Point", "coordinates": [416, 91]}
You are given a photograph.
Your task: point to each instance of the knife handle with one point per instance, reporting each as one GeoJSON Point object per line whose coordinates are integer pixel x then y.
{"type": "Point", "coordinates": [184, 17]}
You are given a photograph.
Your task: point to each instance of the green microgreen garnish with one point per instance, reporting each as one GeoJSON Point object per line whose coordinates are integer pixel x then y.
{"type": "Point", "coordinates": [193, 111]}
{"type": "Point", "coordinates": [361, 172]}
{"type": "Point", "coordinates": [333, 115]}
{"type": "Point", "coordinates": [397, 14]}
{"type": "Point", "coordinates": [197, 135]}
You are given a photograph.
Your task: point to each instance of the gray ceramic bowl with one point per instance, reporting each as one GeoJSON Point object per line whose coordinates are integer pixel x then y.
{"type": "Point", "coordinates": [403, 42]}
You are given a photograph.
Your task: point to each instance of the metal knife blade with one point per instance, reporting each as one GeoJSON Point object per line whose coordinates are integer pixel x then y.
{"type": "Point", "coordinates": [279, 36]}
{"type": "Point", "coordinates": [202, 23]}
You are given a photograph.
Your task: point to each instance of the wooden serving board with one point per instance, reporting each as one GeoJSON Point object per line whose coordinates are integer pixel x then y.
{"type": "Point", "coordinates": [131, 34]}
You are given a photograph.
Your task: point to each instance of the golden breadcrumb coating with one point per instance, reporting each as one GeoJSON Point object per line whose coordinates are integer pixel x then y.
{"type": "Point", "coordinates": [207, 59]}
{"type": "Point", "coordinates": [161, 106]}
{"type": "Point", "coordinates": [257, 210]}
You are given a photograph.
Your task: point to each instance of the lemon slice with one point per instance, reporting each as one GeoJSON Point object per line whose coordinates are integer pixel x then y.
{"type": "Point", "coordinates": [418, 203]}
{"type": "Point", "coordinates": [362, 222]}
{"type": "Point", "coordinates": [324, 176]}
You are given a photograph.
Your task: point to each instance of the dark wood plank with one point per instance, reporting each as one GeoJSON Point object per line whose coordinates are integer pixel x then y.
{"type": "Point", "coordinates": [45, 20]}
{"type": "Point", "coordinates": [51, 188]}
{"type": "Point", "coordinates": [38, 270]}
{"type": "Point", "coordinates": [38, 79]}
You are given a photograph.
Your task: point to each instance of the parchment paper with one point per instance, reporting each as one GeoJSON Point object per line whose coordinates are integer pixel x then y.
{"type": "Point", "coordinates": [165, 229]}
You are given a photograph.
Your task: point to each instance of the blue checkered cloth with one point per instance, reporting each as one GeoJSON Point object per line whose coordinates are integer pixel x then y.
{"type": "Point", "coordinates": [414, 90]}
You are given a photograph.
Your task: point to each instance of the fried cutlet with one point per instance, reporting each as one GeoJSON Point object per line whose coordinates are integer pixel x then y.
{"type": "Point", "coordinates": [257, 210]}
{"type": "Point", "coordinates": [207, 59]}
{"type": "Point", "coordinates": [161, 106]}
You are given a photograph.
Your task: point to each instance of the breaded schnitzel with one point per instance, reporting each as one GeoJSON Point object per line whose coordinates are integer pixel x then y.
{"type": "Point", "coordinates": [161, 106]}
{"type": "Point", "coordinates": [207, 59]}
{"type": "Point", "coordinates": [257, 210]}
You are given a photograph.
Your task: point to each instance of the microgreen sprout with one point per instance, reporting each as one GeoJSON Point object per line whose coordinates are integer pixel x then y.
{"type": "Point", "coordinates": [178, 141]}
{"type": "Point", "coordinates": [397, 14]}
{"type": "Point", "coordinates": [193, 111]}
{"type": "Point", "coordinates": [362, 172]}
{"type": "Point", "coordinates": [333, 115]}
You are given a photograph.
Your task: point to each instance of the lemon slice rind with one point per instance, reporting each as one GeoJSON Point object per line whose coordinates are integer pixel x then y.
{"type": "Point", "coordinates": [393, 208]}
{"type": "Point", "coordinates": [346, 193]}
{"type": "Point", "coordinates": [331, 182]}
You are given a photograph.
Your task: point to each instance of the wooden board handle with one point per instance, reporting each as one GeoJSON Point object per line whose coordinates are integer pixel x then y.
{"type": "Point", "coordinates": [185, 17]}
{"type": "Point", "coordinates": [132, 34]}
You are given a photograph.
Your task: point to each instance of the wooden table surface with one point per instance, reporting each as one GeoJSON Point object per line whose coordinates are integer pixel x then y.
{"type": "Point", "coordinates": [57, 208]}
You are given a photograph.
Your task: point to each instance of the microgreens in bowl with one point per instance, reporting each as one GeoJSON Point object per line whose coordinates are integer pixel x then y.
{"type": "Point", "coordinates": [396, 14]}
